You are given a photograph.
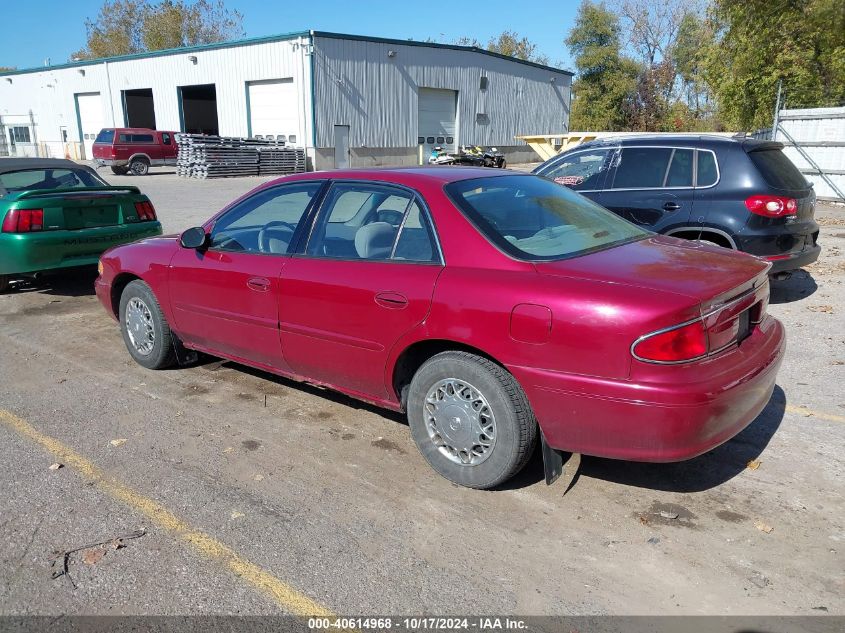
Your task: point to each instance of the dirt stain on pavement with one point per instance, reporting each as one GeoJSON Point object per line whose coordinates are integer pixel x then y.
{"type": "Point", "coordinates": [195, 390]}
{"type": "Point", "coordinates": [245, 396]}
{"type": "Point", "coordinates": [731, 517]}
{"type": "Point", "coordinates": [251, 445]}
{"type": "Point", "coordinates": [670, 514]}
{"type": "Point", "coordinates": [388, 445]}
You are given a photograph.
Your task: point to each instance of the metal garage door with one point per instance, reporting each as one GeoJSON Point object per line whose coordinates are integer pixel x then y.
{"type": "Point", "coordinates": [273, 109]}
{"type": "Point", "coordinates": [437, 118]}
{"type": "Point", "coordinates": [89, 110]}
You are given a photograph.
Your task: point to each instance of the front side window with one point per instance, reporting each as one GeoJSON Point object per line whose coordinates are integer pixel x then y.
{"type": "Point", "coordinates": [642, 167]}
{"type": "Point", "coordinates": [31, 179]}
{"type": "Point", "coordinates": [368, 221]}
{"type": "Point", "coordinates": [534, 219]}
{"type": "Point", "coordinates": [582, 171]}
{"type": "Point", "coordinates": [266, 222]}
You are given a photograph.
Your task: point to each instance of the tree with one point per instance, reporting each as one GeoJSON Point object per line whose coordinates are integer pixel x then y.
{"type": "Point", "coordinates": [798, 42]}
{"type": "Point", "coordinates": [125, 27]}
{"type": "Point", "coordinates": [606, 80]}
{"type": "Point", "coordinates": [511, 44]}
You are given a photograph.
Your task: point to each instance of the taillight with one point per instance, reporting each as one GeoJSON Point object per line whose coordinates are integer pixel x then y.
{"type": "Point", "coordinates": [146, 211]}
{"type": "Point", "coordinates": [682, 343]}
{"type": "Point", "coordinates": [771, 206]}
{"type": "Point", "coordinates": [23, 221]}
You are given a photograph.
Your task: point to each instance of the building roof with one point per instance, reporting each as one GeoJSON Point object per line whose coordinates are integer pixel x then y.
{"type": "Point", "coordinates": [278, 38]}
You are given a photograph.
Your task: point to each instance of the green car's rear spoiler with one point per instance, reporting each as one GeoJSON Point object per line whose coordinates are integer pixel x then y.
{"type": "Point", "coordinates": [42, 193]}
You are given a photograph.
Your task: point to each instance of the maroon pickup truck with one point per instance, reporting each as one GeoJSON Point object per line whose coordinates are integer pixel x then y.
{"type": "Point", "coordinates": [134, 149]}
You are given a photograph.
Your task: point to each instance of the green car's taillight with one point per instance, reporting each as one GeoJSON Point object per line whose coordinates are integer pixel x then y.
{"type": "Point", "coordinates": [23, 221]}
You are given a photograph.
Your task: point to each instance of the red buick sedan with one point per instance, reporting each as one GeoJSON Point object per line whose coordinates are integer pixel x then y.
{"type": "Point", "coordinates": [495, 308]}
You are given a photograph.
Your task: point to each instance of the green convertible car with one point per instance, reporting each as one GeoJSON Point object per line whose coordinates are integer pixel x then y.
{"type": "Point", "coordinates": [58, 214]}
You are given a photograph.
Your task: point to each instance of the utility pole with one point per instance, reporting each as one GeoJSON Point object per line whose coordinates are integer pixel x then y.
{"type": "Point", "coordinates": [775, 123]}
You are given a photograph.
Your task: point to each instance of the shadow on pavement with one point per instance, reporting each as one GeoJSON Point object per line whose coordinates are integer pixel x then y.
{"type": "Point", "coordinates": [799, 286]}
{"type": "Point", "coordinates": [77, 282]}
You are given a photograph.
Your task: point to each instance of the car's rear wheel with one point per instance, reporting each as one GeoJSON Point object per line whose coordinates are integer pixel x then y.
{"type": "Point", "coordinates": [470, 419]}
{"type": "Point", "coordinates": [4, 283]}
{"type": "Point", "coordinates": [145, 329]}
{"type": "Point", "coordinates": [121, 170]}
{"type": "Point", "coordinates": [139, 166]}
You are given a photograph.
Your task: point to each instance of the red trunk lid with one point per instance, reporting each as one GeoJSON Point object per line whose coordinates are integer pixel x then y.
{"type": "Point", "coordinates": [701, 272]}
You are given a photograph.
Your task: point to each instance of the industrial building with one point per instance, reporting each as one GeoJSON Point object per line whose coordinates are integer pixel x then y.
{"type": "Point", "coordinates": [349, 100]}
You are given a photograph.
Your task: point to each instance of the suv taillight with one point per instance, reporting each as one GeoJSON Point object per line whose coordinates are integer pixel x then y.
{"type": "Point", "coordinates": [146, 211]}
{"type": "Point", "coordinates": [771, 206]}
{"type": "Point", "coordinates": [23, 221]}
{"type": "Point", "coordinates": [677, 345]}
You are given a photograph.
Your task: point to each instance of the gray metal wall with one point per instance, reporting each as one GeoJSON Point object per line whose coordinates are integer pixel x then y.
{"type": "Point", "coordinates": [358, 84]}
{"type": "Point", "coordinates": [820, 133]}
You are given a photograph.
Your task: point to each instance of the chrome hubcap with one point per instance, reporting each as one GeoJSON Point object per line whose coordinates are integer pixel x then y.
{"type": "Point", "coordinates": [460, 422]}
{"type": "Point", "coordinates": [140, 326]}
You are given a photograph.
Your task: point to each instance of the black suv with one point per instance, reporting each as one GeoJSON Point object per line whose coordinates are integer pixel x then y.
{"type": "Point", "coordinates": [739, 193]}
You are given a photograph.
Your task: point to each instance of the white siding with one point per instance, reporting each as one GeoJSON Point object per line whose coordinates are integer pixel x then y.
{"type": "Point", "coordinates": [359, 85]}
{"type": "Point", "coordinates": [50, 93]}
{"type": "Point", "coordinates": [821, 133]}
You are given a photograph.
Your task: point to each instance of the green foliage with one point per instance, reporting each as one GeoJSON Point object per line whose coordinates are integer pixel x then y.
{"type": "Point", "coordinates": [801, 42]}
{"type": "Point", "coordinates": [606, 79]}
{"type": "Point", "coordinates": [507, 43]}
{"type": "Point", "coordinates": [511, 44]}
{"type": "Point", "coordinates": [125, 27]}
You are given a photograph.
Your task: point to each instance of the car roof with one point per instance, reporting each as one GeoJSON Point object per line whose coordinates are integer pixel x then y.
{"type": "Point", "coordinates": [17, 164]}
{"type": "Point", "coordinates": [693, 139]}
{"type": "Point", "coordinates": [443, 174]}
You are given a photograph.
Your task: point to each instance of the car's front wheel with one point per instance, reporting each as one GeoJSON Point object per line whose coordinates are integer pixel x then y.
{"type": "Point", "coordinates": [120, 170]}
{"type": "Point", "coordinates": [145, 329]}
{"type": "Point", "coordinates": [470, 419]}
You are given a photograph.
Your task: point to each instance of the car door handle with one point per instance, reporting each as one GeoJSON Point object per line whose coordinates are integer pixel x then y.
{"type": "Point", "coordinates": [392, 300]}
{"type": "Point", "coordinates": [258, 283]}
{"type": "Point", "coordinates": [671, 206]}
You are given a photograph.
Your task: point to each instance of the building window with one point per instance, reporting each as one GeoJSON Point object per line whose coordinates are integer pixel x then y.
{"type": "Point", "coordinates": [19, 134]}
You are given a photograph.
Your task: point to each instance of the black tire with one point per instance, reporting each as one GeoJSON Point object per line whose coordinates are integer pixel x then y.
{"type": "Point", "coordinates": [120, 171]}
{"type": "Point", "coordinates": [139, 166]}
{"type": "Point", "coordinates": [162, 353]}
{"type": "Point", "coordinates": [4, 283]}
{"type": "Point", "coordinates": [515, 425]}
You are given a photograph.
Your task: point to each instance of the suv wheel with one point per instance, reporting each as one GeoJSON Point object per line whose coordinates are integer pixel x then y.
{"type": "Point", "coordinates": [121, 170]}
{"type": "Point", "coordinates": [139, 166]}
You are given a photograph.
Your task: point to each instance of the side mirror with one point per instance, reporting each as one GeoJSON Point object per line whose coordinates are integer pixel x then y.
{"type": "Point", "coordinates": [194, 238]}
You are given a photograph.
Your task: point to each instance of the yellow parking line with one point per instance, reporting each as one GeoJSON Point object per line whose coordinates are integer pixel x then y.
{"type": "Point", "coordinates": [815, 414]}
{"type": "Point", "coordinates": [280, 592]}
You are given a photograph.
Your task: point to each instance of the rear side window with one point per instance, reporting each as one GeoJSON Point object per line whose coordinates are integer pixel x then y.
{"type": "Point", "coordinates": [165, 138]}
{"type": "Point", "coordinates": [680, 169]}
{"type": "Point", "coordinates": [105, 136]}
{"type": "Point", "coordinates": [136, 138]}
{"type": "Point", "coordinates": [707, 174]}
{"type": "Point", "coordinates": [777, 170]}
{"type": "Point", "coordinates": [642, 167]}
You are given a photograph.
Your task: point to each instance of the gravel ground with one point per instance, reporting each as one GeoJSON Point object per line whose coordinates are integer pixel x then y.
{"type": "Point", "coordinates": [330, 498]}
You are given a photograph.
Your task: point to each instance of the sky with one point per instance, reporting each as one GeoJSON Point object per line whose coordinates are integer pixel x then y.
{"type": "Point", "coordinates": [56, 28]}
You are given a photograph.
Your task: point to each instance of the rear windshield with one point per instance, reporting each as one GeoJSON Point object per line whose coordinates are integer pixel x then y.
{"type": "Point", "coordinates": [777, 170]}
{"type": "Point", "coordinates": [30, 179]}
{"type": "Point", "coordinates": [106, 137]}
{"type": "Point", "coordinates": [535, 219]}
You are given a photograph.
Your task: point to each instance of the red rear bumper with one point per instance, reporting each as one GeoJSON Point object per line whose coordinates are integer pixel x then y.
{"type": "Point", "coordinates": [676, 413]}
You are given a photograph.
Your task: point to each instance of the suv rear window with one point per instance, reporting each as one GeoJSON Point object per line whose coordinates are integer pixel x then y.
{"type": "Point", "coordinates": [105, 136]}
{"type": "Point", "coordinates": [777, 170]}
